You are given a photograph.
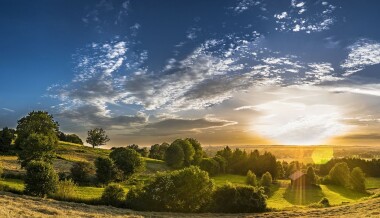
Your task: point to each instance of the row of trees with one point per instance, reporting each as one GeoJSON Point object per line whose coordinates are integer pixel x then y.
{"type": "Point", "coordinates": [341, 175]}
{"type": "Point", "coordinates": [369, 167]}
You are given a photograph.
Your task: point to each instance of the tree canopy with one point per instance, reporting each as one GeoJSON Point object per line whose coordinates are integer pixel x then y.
{"type": "Point", "coordinates": [97, 137]}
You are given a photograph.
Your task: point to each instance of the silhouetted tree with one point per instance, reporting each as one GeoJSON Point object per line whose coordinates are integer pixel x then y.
{"type": "Point", "coordinates": [97, 137]}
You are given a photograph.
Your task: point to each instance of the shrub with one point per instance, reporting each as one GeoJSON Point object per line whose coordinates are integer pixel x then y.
{"type": "Point", "coordinates": [239, 199]}
{"type": "Point", "coordinates": [40, 179]}
{"type": "Point", "coordinates": [174, 156]}
{"type": "Point", "coordinates": [310, 176]}
{"type": "Point", "coordinates": [65, 190]}
{"type": "Point", "coordinates": [81, 172]}
{"type": "Point", "coordinates": [324, 202]}
{"type": "Point", "coordinates": [266, 179]}
{"type": "Point", "coordinates": [127, 160]}
{"type": "Point", "coordinates": [158, 151]}
{"type": "Point", "coordinates": [210, 165]}
{"type": "Point", "coordinates": [113, 195]}
{"type": "Point", "coordinates": [340, 174]}
{"type": "Point", "coordinates": [106, 171]}
{"type": "Point", "coordinates": [186, 190]}
{"type": "Point", "coordinates": [358, 180]}
{"type": "Point", "coordinates": [251, 178]}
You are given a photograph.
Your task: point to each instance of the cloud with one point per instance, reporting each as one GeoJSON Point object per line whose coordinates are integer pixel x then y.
{"type": "Point", "coordinates": [305, 17]}
{"type": "Point", "coordinates": [8, 110]}
{"type": "Point", "coordinates": [367, 136]}
{"type": "Point", "coordinates": [367, 89]}
{"type": "Point", "coordinates": [362, 53]}
{"type": "Point", "coordinates": [244, 5]}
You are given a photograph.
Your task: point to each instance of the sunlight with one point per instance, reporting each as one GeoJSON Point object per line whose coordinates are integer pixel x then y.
{"type": "Point", "coordinates": [298, 123]}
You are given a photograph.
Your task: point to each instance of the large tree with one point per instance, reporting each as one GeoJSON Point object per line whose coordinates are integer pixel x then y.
{"type": "Point", "coordinates": [127, 160]}
{"type": "Point", "coordinates": [97, 137]}
{"type": "Point", "coordinates": [36, 137]}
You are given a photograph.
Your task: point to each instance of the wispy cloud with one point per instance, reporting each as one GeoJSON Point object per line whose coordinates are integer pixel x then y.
{"type": "Point", "coordinates": [7, 109]}
{"type": "Point", "coordinates": [362, 53]}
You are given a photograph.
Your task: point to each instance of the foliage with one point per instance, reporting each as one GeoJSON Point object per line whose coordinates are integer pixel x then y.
{"type": "Point", "coordinates": [369, 167]}
{"type": "Point", "coordinates": [36, 137]}
{"type": "Point", "coordinates": [72, 138]}
{"type": "Point", "coordinates": [40, 179]}
{"type": "Point", "coordinates": [325, 202]}
{"type": "Point", "coordinates": [210, 165]}
{"type": "Point", "coordinates": [81, 172]}
{"type": "Point", "coordinates": [311, 177]}
{"type": "Point", "coordinates": [127, 160]}
{"type": "Point", "coordinates": [222, 163]}
{"type": "Point", "coordinates": [6, 137]}
{"type": "Point", "coordinates": [65, 190]}
{"type": "Point", "coordinates": [113, 195]}
{"type": "Point", "coordinates": [198, 152]}
{"type": "Point", "coordinates": [157, 151]}
{"type": "Point", "coordinates": [280, 170]}
{"type": "Point", "coordinates": [106, 171]}
{"type": "Point", "coordinates": [266, 179]}
{"type": "Point", "coordinates": [97, 137]}
{"type": "Point", "coordinates": [174, 156]}
{"type": "Point", "coordinates": [239, 199]}
{"type": "Point", "coordinates": [357, 180]}
{"type": "Point", "coordinates": [186, 190]}
{"type": "Point", "coordinates": [142, 151]}
{"type": "Point", "coordinates": [340, 174]}
{"type": "Point", "coordinates": [251, 178]}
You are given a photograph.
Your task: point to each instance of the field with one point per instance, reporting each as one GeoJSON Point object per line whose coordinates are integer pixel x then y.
{"type": "Point", "coordinates": [281, 198]}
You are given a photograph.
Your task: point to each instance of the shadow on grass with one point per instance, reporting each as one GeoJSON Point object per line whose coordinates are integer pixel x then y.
{"type": "Point", "coordinates": [347, 193]}
{"type": "Point", "coordinates": [303, 196]}
{"type": "Point", "coordinates": [273, 189]}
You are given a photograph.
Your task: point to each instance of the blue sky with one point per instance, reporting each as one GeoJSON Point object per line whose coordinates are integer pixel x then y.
{"type": "Point", "coordinates": [225, 72]}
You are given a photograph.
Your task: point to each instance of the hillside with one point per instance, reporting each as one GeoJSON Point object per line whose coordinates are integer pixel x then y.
{"type": "Point", "coordinates": [13, 206]}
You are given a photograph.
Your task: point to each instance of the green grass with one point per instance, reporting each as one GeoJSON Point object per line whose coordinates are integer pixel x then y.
{"type": "Point", "coordinates": [372, 182]}
{"type": "Point", "coordinates": [225, 178]}
{"type": "Point", "coordinates": [13, 183]}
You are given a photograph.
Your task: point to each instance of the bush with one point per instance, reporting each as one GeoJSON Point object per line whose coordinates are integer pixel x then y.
{"type": "Point", "coordinates": [40, 179]}
{"type": "Point", "coordinates": [174, 156]}
{"type": "Point", "coordinates": [222, 163]}
{"type": "Point", "coordinates": [186, 190]}
{"type": "Point", "coordinates": [158, 151]}
{"type": "Point", "coordinates": [239, 199]}
{"type": "Point", "coordinates": [310, 176]}
{"type": "Point", "coordinates": [127, 160]}
{"type": "Point", "coordinates": [251, 178]}
{"type": "Point", "coordinates": [340, 174]}
{"type": "Point", "coordinates": [65, 190]}
{"type": "Point", "coordinates": [358, 180]}
{"type": "Point", "coordinates": [324, 202]}
{"type": "Point", "coordinates": [81, 172]}
{"type": "Point", "coordinates": [210, 165]}
{"type": "Point", "coordinates": [266, 179]}
{"type": "Point", "coordinates": [113, 195]}
{"type": "Point", "coordinates": [106, 171]}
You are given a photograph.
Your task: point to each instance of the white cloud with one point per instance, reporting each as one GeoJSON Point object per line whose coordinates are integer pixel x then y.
{"type": "Point", "coordinates": [244, 5]}
{"type": "Point", "coordinates": [7, 109]}
{"type": "Point", "coordinates": [281, 16]}
{"type": "Point", "coordinates": [362, 53]}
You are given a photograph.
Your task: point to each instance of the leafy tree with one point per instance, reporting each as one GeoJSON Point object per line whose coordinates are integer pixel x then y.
{"type": "Point", "coordinates": [142, 151]}
{"type": "Point", "coordinates": [198, 152]}
{"type": "Point", "coordinates": [222, 163]}
{"type": "Point", "coordinates": [81, 172]}
{"type": "Point", "coordinates": [97, 137]}
{"type": "Point", "coordinates": [113, 195]}
{"type": "Point", "coordinates": [37, 137]}
{"type": "Point", "coordinates": [187, 149]}
{"type": "Point", "coordinates": [174, 156]}
{"type": "Point", "coordinates": [127, 160]}
{"type": "Point", "coordinates": [73, 138]}
{"type": "Point", "coordinates": [266, 179]}
{"type": "Point", "coordinates": [106, 170]}
{"type": "Point", "coordinates": [40, 179]}
{"type": "Point", "coordinates": [340, 174]}
{"type": "Point", "coordinates": [358, 180]}
{"type": "Point", "coordinates": [158, 151]}
{"type": "Point", "coordinates": [251, 178]}
{"type": "Point", "coordinates": [310, 176]}
{"type": "Point", "coordinates": [239, 199]}
{"type": "Point", "coordinates": [210, 165]}
{"type": "Point", "coordinates": [186, 190]}
{"type": "Point", "coordinates": [6, 137]}
{"type": "Point", "coordinates": [280, 170]}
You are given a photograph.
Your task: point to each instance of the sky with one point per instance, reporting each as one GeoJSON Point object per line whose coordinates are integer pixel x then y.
{"type": "Point", "coordinates": [243, 72]}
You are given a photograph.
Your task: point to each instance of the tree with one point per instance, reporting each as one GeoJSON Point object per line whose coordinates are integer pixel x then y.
{"type": "Point", "coordinates": [251, 178]}
{"type": "Point", "coordinates": [106, 170]}
{"type": "Point", "coordinates": [186, 190]}
{"type": "Point", "coordinates": [113, 195]}
{"type": "Point", "coordinates": [222, 163]}
{"type": "Point", "coordinates": [198, 152]}
{"type": "Point", "coordinates": [280, 170]}
{"type": "Point", "coordinates": [6, 137]}
{"type": "Point", "coordinates": [73, 138]}
{"type": "Point", "coordinates": [81, 172]}
{"type": "Point", "coordinates": [158, 151]}
{"type": "Point", "coordinates": [266, 179]}
{"type": "Point", "coordinates": [97, 137]}
{"type": "Point", "coordinates": [36, 137]}
{"type": "Point", "coordinates": [210, 165]}
{"type": "Point", "coordinates": [187, 149]}
{"type": "Point", "coordinates": [340, 174]}
{"type": "Point", "coordinates": [40, 179]}
{"type": "Point", "coordinates": [239, 199]}
{"type": "Point", "coordinates": [358, 180]}
{"type": "Point", "coordinates": [127, 160]}
{"type": "Point", "coordinates": [174, 156]}
{"type": "Point", "coordinates": [142, 151]}
{"type": "Point", "coordinates": [310, 176]}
